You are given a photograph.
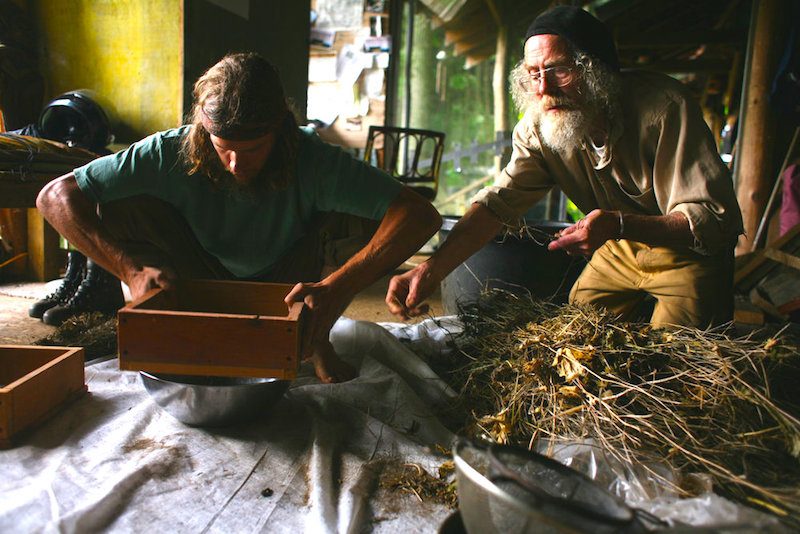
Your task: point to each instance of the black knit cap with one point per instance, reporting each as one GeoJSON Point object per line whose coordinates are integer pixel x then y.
{"type": "Point", "coordinates": [584, 32]}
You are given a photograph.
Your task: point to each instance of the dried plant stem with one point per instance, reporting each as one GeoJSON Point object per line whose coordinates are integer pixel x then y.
{"type": "Point", "coordinates": [695, 400]}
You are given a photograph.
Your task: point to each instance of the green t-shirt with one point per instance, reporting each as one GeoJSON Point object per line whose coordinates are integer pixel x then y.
{"type": "Point", "coordinates": [247, 233]}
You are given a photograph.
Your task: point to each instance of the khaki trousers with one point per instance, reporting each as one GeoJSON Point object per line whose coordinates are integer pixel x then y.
{"type": "Point", "coordinates": [690, 289]}
{"type": "Point", "coordinates": [156, 234]}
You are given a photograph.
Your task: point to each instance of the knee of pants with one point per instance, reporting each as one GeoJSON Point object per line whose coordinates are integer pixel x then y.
{"type": "Point", "coordinates": [136, 218]}
{"type": "Point", "coordinates": [344, 236]}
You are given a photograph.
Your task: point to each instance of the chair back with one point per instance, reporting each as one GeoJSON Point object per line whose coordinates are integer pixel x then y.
{"type": "Point", "coordinates": [411, 155]}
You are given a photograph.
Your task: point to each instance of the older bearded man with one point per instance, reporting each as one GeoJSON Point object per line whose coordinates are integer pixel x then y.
{"type": "Point", "coordinates": [632, 151]}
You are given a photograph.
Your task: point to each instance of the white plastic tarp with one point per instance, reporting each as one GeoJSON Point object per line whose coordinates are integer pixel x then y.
{"type": "Point", "coordinates": [115, 461]}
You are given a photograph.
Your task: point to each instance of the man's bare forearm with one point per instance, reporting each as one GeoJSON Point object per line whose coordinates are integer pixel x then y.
{"type": "Point", "coordinates": [476, 228]}
{"type": "Point", "coordinates": [658, 230]}
{"type": "Point", "coordinates": [74, 216]}
{"type": "Point", "coordinates": [408, 224]}
{"type": "Point", "coordinates": [600, 226]}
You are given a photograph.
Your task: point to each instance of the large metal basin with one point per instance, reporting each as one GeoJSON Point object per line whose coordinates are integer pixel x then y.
{"type": "Point", "coordinates": [521, 265]}
{"type": "Point", "coordinates": [213, 401]}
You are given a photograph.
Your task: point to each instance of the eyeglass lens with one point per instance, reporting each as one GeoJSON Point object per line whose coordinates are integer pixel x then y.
{"type": "Point", "coordinates": [559, 76]}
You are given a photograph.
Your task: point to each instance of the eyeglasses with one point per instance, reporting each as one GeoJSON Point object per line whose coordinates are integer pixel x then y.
{"type": "Point", "coordinates": [559, 76]}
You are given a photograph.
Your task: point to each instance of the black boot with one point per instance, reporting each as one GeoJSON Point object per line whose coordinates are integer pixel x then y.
{"type": "Point", "coordinates": [100, 291]}
{"type": "Point", "coordinates": [76, 267]}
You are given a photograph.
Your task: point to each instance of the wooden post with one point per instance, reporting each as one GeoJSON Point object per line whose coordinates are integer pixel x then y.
{"type": "Point", "coordinates": [500, 89]}
{"type": "Point", "coordinates": [14, 231]}
{"type": "Point", "coordinates": [758, 131]}
{"type": "Point", "coordinates": [500, 82]}
{"type": "Point", "coordinates": [44, 257]}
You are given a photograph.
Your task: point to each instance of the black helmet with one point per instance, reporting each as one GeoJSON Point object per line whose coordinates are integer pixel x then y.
{"type": "Point", "coordinates": [77, 119]}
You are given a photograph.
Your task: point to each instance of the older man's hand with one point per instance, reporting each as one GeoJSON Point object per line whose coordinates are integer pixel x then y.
{"type": "Point", "coordinates": [408, 291]}
{"type": "Point", "coordinates": [588, 234]}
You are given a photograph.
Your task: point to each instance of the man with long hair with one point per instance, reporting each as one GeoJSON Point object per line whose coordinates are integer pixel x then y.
{"type": "Point", "coordinates": [629, 149]}
{"type": "Point", "coordinates": [243, 193]}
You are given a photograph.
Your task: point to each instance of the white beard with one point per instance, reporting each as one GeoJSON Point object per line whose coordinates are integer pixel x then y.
{"type": "Point", "coordinates": [562, 131]}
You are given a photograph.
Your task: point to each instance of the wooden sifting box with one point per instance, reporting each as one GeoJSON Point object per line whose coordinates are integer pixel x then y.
{"type": "Point", "coordinates": [212, 328]}
{"type": "Point", "coordinates": [34, 383]}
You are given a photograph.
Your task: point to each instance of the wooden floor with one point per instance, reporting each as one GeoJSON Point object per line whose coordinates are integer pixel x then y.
{"type": "Point", "coordinates": [17, 328]}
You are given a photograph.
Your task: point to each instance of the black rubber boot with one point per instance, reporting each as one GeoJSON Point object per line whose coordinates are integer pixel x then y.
{"type": "Point", "coordinates": [76, 268]}
{"type": "Point", "coordinates": [100, 291]}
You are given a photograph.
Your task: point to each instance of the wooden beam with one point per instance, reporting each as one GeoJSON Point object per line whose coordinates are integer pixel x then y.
{"type": "Point", "coordinates": [758, 131]}
{"type": "Point", "coordinates": [614, 8]}
{"type": "Point", "coordinates": [693, 39]}
{"type": "Point", "coordinates": [500, 93]}
{"type": "Point", "coordinates": [746, 312]}
{"type": "Point", "coordinates": [759, 267]}
{"type": "Point", "coordinates": [495, 12]}
{"type": "Point", "coordinates": [472, 24]}
{"type": "Point", "coordinates": [14, 231]}
{"type": "Point", "coordinates": [782, 257]}
{"type": "Point", "coordinates": [44, 257]}
{"type": "Point", "coordinates": [688, 65]}
{"type": "Point", "coordinates": [765, 305]}
{"type": "Point", "coordinates": [451, 12]}
{"type": "Point", "coordinates": [479, 55]}
{"type": "Point", "coordinates": [468, 47]}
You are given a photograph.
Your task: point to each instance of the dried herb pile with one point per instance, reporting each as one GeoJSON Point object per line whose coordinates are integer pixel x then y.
{"type": "Point", "coordinates": [699, 401]}
{"type": "Point", "coordinates": [95, 332]}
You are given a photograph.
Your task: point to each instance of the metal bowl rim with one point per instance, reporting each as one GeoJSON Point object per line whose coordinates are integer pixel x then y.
{"type": "Point", "coordinates": [256, 381]}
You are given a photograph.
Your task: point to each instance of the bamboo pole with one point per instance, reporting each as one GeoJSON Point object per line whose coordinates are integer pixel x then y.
{"type": "Point", "coordinates": [500, 90]}
{"type": "Point", "coordinates": [758, 130]}
{"type": "Point", "coordinates": [500, 81]}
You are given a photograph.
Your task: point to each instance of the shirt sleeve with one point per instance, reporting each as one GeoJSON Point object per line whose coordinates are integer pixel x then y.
{"type": "Point", "coordinates": [134, 171]}
{"type": "Point", "coordinates": [522, 183]}
{"type": "Point", "coordinates": [689, 177]}
{"type": "Point", "coordinates": [347, 185]}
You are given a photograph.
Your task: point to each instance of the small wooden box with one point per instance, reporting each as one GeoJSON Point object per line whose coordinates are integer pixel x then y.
{"type": "Point", "coordinates": [212, 328]}
{"type": "Point", "coordinates": [34, 383]}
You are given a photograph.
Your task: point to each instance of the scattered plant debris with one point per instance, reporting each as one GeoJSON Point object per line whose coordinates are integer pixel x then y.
{"type": "Point", "coordinates": [697, 400]}
{"type": "Point", "coordinates": [412, 478]}
{"type": "Point", "coordinates": [95, 332]}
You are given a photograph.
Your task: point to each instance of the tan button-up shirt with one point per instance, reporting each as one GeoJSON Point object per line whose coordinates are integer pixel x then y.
{"type": "Point", "coordinates": [662, 159]}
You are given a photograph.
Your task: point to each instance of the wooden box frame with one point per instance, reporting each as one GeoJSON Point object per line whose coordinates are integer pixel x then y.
{"type": "Point", "coordinates": [212, 328]}
{"type": "Point", "coordinates": [35, 381]}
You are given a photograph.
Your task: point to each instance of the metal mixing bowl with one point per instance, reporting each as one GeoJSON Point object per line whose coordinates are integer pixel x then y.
{"type": "Point", "coordinates": [213, 401]}
{"type": "Point", "coordinates": [564, 501]}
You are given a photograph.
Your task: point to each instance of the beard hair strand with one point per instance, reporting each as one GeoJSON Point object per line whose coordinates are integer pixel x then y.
{"type": "Point", "coordinates": [562, 131]}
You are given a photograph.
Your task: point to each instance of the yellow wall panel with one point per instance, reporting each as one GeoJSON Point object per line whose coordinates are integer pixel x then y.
{"type": "Point", "coordinates": [129, 51]}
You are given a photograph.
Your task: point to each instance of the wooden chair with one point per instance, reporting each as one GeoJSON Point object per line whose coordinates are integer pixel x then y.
{"type": "Point", "coordinates": [412, 156]}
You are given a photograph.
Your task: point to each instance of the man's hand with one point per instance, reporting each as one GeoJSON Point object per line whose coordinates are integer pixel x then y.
{"type": "Point", "coordinates": [588, 234]}
{"type": "Point", "coordinates": [325, 306]}
{"type": "Point", "coordinates": [408, 291]}
{"type": "Point", "coordinates": [140, 281]}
